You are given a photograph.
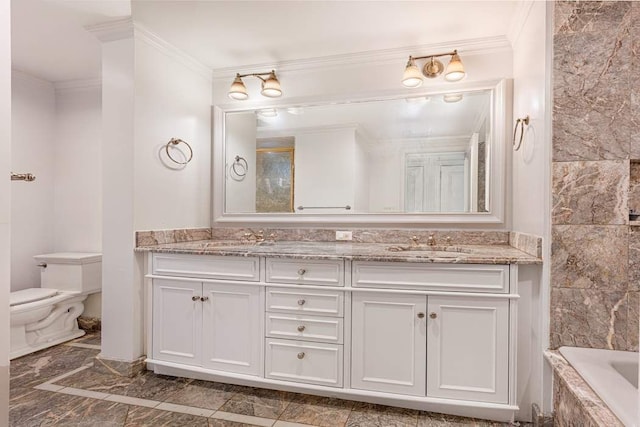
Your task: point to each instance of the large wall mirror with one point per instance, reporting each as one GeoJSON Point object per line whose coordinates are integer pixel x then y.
{"type": "Point", "coordinates": [426, 157]}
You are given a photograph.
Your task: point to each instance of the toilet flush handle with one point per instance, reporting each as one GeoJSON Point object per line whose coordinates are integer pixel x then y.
{"type": "Point", "coordinates": [43, 265]}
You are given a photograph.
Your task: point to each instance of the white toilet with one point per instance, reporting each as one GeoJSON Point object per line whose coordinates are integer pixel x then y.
{"type": "Point", "coordinates": [46, 316]}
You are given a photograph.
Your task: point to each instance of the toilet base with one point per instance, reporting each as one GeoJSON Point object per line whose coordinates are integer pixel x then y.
{"type": "Point", "coordinates": [30, 332]}
{"type": "Point", "coordinates": [41, 346]}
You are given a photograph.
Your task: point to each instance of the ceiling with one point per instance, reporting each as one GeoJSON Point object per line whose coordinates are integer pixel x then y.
{"type": "Point", "coordinates": [381, 121]}
{"type": "Point", "coordinates": [49, 40]}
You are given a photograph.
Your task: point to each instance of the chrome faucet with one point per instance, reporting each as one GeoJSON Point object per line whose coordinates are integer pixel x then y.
{"type": "Point", "coordinates": [431, 240]}
{"type": "Point", "coordinates": [414, 240]}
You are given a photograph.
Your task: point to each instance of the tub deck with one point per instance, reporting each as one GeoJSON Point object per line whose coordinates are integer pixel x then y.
{"type": "Point", "coordinates": [575, 401]}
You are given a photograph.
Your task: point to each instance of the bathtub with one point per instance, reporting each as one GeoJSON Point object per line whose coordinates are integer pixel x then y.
{"type": "Point", "coordinates": [613, 375]}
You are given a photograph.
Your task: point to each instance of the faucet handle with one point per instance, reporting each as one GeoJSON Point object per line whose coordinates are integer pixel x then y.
{"type": "Point", "coordinates": [431, 240]}
{"type": "Point", "coordinates": [414, 240]}
{"type": "Point", "coordinates": [272, 236]}
{"type": "Point", "coordinates": [447, 240]}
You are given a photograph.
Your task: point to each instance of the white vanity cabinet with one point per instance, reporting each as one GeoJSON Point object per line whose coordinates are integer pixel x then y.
{"type": "Point", "coordinates": [389, 343]}
{"type": "Point", "coordinates": [468, 348]}
{"type": "Point", "coordinates": [215, 324]}
{"type": "Point", "coordinates": [432, 336]}
{"type": "Point", "coordinates": [304, 322]}
{"type": "Point", "coordinates": [450, 341]}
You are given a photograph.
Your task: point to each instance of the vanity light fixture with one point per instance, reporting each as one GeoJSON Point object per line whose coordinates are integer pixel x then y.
{"type": "Point", "coordinates": [270, 86]}
{"type": "Point", "coordinates": [412, 76]}
{"type": "Point", "coordinates": [267, 112]}
{"type": "Point", "coordinates": [452, 97]}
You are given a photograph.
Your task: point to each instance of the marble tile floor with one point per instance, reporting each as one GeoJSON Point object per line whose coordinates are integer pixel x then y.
{"type": "Point", "coordinates": [58, 386]}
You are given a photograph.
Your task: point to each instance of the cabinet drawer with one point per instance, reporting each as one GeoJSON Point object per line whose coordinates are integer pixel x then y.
{"type": "Point", "coordinates": [206, 266]}
{"type": "Point", "coordinates": [304, 327]}
{"type": "Point", "coordinates": [305, 362]}
{"type": "Point", "coordinates": [307, 272]}
{"type": "Point", "coordinates": [455, 277]}
{"type": "Point", "coordinates": [287, 300]}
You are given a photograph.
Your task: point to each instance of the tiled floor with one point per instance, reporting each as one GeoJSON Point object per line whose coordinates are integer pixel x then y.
{"type": "Point", "coordinates": [58, 386]}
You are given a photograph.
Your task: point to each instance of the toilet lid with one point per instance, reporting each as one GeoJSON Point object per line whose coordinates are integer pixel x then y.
{"type": "Point", "coordinates": [30, 295]}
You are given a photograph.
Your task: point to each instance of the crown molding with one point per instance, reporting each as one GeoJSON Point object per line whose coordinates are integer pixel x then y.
{"type": "Point", "coordinates": [109, 31]}
{"type": "Point", "coordinates": [519, 20]}
{"type": "Point", "coordinates": [144, 34]}
{"type": "Point", "coordinates": [77, 85]}
{"type": "Point", "coordinates": [466, 47]}
{"type": "Point", "coordinates": [29, 79]}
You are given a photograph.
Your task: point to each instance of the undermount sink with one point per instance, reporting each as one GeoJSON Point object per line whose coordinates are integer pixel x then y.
{"type": "Point", "coordinates": [238, 243]}
{"type": "Point", "coordinates": [437, 251]}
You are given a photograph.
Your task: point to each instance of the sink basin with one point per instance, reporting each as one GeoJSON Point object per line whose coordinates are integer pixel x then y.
{"type": "Point", "coordinates": [437, 251]}
{"type": "Point", "coordinates": [236, 243]}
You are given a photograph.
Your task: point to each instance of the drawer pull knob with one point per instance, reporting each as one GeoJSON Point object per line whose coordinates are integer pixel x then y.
{"type": "Point", "coordinates": [420, 315]}
{"type": "Point", "coordinates": [301, 355]}
{"type": "Point", "coordinates": [203, 299]}
{"type": "Point", "coordinates": [433, 315]}
{"type": "Point", "coordinates": [301, 302]}
{"type": "Point", "coordinates": [195, 298]}
{"type": "Point", "coordinates": [301, 328]}
{"type": "Point", "coordinates": [301, 272]}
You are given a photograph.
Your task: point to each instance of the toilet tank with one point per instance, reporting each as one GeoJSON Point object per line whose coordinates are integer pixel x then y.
{"type": "Point", "coordinates": [71, 271]}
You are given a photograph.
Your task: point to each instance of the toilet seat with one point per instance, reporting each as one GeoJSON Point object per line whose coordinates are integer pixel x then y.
{"type": "Point", "coordinates": [30, 295]}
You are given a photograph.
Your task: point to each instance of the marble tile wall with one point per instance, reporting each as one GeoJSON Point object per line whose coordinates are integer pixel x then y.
{"type": "Point", "coordinates": [595, 260]}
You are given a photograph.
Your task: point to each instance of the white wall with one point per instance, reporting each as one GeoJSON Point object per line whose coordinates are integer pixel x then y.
{"type": "Point", "coordinates": [5, 203]}
{"type": "Point", "coordinates": [361, 174]}
{"type": "Point", "coordinates": [317, 186]}
{"type": "Point", "coordinates": [77, 211]}
{"type": "Point", "coordinates": [171, 100]}
{"type": "Point", "coordinates": [531, 198]}
{"type": "Point", "coordinates": [241, 141]}
{"type": "Point", "coordinates": [33, 146]}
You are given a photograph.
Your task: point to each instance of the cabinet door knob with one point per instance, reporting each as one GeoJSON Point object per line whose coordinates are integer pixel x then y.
{"type": "Point", "coordinates": [195, 298]}
{"type": "Point", "coordinates": [433, 315]}
{"type": "Point", "coordinates": [301, 272]}
{"type": "Point", "coordinates": [301, 328]}
{"type": "Point", "coordinates": [203, 299]}
{"type": "Point", "coordinates": [301, 355]}
{"type": "Point", "coordinates": [301, 302]}
{"type": "Point", "coordinates": [420, 315]}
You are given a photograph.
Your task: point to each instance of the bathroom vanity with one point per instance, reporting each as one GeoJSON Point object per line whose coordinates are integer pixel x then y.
{"type": "Point", "coordinates": [422, 328]}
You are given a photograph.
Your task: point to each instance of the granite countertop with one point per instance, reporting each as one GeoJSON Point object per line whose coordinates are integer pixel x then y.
{"type": "Point", "coordinates": [453, 254]}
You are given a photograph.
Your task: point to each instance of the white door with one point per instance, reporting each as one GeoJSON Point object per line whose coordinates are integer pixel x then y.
{"type": "Point", "coordinates": [468, 351]}
{"type": "Point", "coordinates": [389, 343]}
{"type": "Point", "coordinates": [232, 329]}
{"type": "Point", "coordinates": [177, 321]}
{"type": "Point", "coordinates": [452, 188]}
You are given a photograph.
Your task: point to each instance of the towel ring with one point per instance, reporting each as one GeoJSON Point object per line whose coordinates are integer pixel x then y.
{"type": "Point", "coordinates": [176, 141]}
{"type": "Point", "coordinates": [521, 123]}
{"type": "Point", "coordinates": [241, 163]}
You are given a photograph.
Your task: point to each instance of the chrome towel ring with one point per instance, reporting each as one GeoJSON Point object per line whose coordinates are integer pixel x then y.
{"type": "Point", "coordinates": [521, 123]}
{"type": "Point", "coordinates": [240, 163]}
{"type": "Point", "coordinates": [176, 141]}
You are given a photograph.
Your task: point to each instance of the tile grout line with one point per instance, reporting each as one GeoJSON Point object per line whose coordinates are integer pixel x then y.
{"type": "Point", "coordinates": [82, 345]}
{"type": "Point", "coordinates": [136, 401]}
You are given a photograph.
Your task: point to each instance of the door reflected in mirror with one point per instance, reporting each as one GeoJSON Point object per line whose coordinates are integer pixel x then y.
{"type": "Point", "coordinates": [421, 154]}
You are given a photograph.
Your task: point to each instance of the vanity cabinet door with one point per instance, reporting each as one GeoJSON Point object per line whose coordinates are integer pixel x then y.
{"type": "Point", "coordinates": [468, 350]}
{"type": "Point", "coordinates": [389, 343]}
{"type": "Point", "coordinates": [177, 321]}
{"type": "Point", "coordinates": [232, 332]}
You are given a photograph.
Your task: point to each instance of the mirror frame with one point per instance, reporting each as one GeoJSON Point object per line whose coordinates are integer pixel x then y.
{"type": "Point", "coordinates": [498, 161]}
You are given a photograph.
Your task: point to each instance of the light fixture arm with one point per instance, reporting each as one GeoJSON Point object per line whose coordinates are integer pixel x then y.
{"type": "Point", "coordinates": [437, 55]}
{"type": "Point", "coordinates": [258, 75]}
